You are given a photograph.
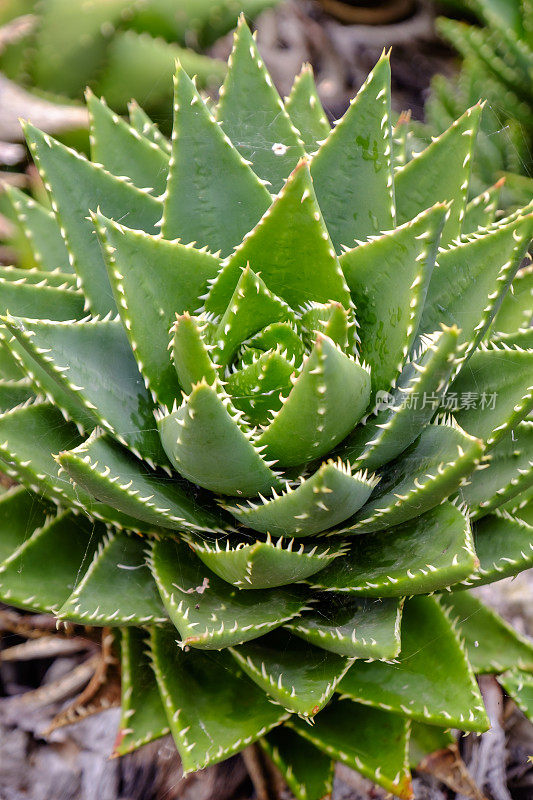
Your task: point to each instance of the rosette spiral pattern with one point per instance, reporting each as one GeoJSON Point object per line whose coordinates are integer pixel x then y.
{"type": "Point", "coordinates": [265, 386]}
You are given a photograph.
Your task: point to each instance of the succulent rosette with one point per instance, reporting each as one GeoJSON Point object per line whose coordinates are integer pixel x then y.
{"type": "Point", "coordinates": [265, 385]}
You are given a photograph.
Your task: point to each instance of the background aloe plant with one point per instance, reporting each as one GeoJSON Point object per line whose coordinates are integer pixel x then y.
{"type": "Point", "coordinates": [265, 384]}
{"type": "Point", "coordinates": [498, 65]}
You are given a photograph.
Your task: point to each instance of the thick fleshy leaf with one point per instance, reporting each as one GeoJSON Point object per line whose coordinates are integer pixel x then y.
{"type": "Point", "coordinates": [360, 628]}
{"type": "Point", "coordinates": [190, 352]}
{"type": "Point", "coordinates": [307, 771]}
{"type": "Point", "coordinates": [259, 387]}
{"type": "Point", "coordinates": [42, 572]}
{"type": "Point", "coordinates": [263, 565]}
{"type": "Point", "coordinates": [204, 433]}
{"type": "Point", "coordinates": [326, 401]}
{"type": "Point", "coordinates": [146, 127]}
{"type": "Point", "coordinates": [481, 210]}
{"type": "Point", "coordinates": [431, 469]}
{"type": "Point", "coordinates": [322, 501]}
{"type": "Point", "coordinates": [208, 612]}
{"type": "Point", "coordinates": [122, 151]}
{"type": "Point", "coordinates": [14, 393]}
{"type": "Point", "coordinates": [109, 391]}
{"type": "Point", "coordinates": [209, 718]}
{"type": "Point", "coordinates": [471, 278]}
{"type": "Point", "coordinates": [378, 751]}
{"type": "Point", "coordinates": [10, 369]}
{"type": "Point", "coordinates": [212, 197]}
{"type": "Point", "coordinates": [519, 685]}
{"type": "Point", "coordinates": [153, 280]}
{"type": "Point", "coordinates": [507, 472]}
{"type": "Point", "coordinates": [117, 588]}
{"type": "Point", "coordinates": [143, 717]}
{"type": "Point", "coordinates": [440, 172]}
{"type": "Point", "coordinates": [408, 408]}
{"type": "Point", "coordinates": [491, 644]}
{"type": "Point", "coordinates": [21, 513]}
{"type": "Point", "coordinates": [504, 546]}
{"type": "Point", "coordinates": [495, 391]}
{"type": "Point", "coordinates": [352, 171]}
{"type": "Point", "coordinates": [40, 302]}
{"type": "Point", "coordinates": [431, 681]}
{"type": "Point", "coordinates": [516, 310]}
{"type": "Point", "coordinates": [426, 740]}
{"type": "Point", "coordinates": [41, 229]}
{"type": "Point", "coordinates": [78, 186]}
{"type": "Point", "coordinates": [389, 300]}
{"type": "Point", "coordinates": [429, 552]}
{"type": "Point", "coordinates": [297, 675]}
{"type": "Point", "coordinates": [38, 277]}
{"type": "Point", "coordinates": [112, 475]}
{"type": "Point", "coordinates": [305, 109]}
{"type": "Point", "coordinates": [253, 116]}
{"type": "Point", "coordinates": [290, 248]}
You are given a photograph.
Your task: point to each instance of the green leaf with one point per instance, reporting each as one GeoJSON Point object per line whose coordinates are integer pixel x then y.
{"type": "Point", "coordinates": [430, 551]}
{"type": "Point", "coordinates": [10, 370]}
{"type": "Point", "coordinates": [21, 512]}
{"type": "Point", "coordinates": [213, 197]}
{"type": "Point", "coordinates": [471, 278]}
{"type": "Point", "coordinates": [122, 151]}
{"type": "Point", "coordinates": [307, 771]}
{"type": "Point", "coordinates": [14, 393]}
{"type": "Point", "coordinates": [290, 248]}
{"type": "Point", "coordinates": [411, 405]}
{"type": "Point", "coordinates": [431, 681]}
{"type": "Point", "coordinates": [352, 171]}
{"type": "Point", "coordinates": [426, 740]}
{"type": "Point", "coordinates": [41, 229]}
{"type": "Point", "coordinates": [516, 310]}
{"type": "Point", "coordinates": [440, 172]}
{"type": "Point", "coordinates": [252, 115]}
{"type": "Point", "coordinates": [305, 109]}
{"type": "Point", "coordinates": [362, 628]}
{"type": "Point", "coordinates": [481, 210]}
{"type": "Point", "coordinates": [378, 751]}
{"type": "Point", "coordinates": [390, 300]}
{"type": "Point", "coordinates": [141, 122]}
{"type": "Point", "coordinates": [143, 717]}
{"type": "Point", "coordinates": [431, 469]}
{"type": "Point", "coordinates": [42, 572]}
{"type": "Point", "coordinates": [77, 187]}
{"type": "Point", "coordinates": [111, 474]}
{"type": "Point", "coordinates": [40, 302]}
{"type": "Point", "coordinates": [153, 280]}
{"type": "Point", "coordinates": [491, 644]}
{"type": "Point", "coordinates": [37, 277]}
{"type": "Point", "coordinates": [495, 391]}
{"type": "Point", "coordinates": [190, 352]}
{"type": "Point", "coordinates": [327, 498]}
{"type": "Point", "coordinates": [205, 432]}
{"type": "Point", "coordinates": [504, 546]}
{"type": "Point", "coordinates": [107, 392]}
{"type": "Point", "coordinates": [117, 588]}
{"type": "Point", "coordinates": [507, 472]}
{"type": "Point", "coordinates": [298, 676]}
{"type": "Point", "coordinates": [258, 388]}
{"type": "Point", "coordinates": [209, 718]}
{"type": "Point", "coordinates": [328, 398]}
{"type": "Point", "coordinates": [519, 685]}
{"type": "Point", "coordinates": [262, 565]}
{"type": "Point", "coordinates": [208, 612]}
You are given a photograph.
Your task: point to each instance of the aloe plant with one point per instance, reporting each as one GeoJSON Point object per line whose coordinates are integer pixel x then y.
{"type": "Point", "coordinates": [263, 386]}
{"type": "Point", "coordinates": [498, 65]}
{"type": "Point", "coordinates": [120, 48]}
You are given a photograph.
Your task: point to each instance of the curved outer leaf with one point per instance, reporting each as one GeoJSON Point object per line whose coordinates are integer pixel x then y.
{"type": "Point", "coordinates": [209, 613]}
{"type": "Point", "coordinates": [352, 171]}
{"type": "Point", "coordinates": [379, 751]}
{"type": "Point", "coordinates": [417, 557]}
{"type": "Point", "coordinates": [519, 685]}
{"type": "Point", "coordinates": [210, 719]}
{"type": "Point", "coordinates": [357, 628]}
{"type": "Point", "coordinates": [431, 681]}
{"type": "Point", "coordinates": [504, 546]}
{"type": "Point", "coordinates": [427, 472]}
{"type": "Point", "coordinates": [212, 195]}
{"type": "Point", "coordinates": [307, 771]}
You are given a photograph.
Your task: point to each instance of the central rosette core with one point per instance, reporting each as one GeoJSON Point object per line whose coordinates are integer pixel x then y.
{"type": "Point", "coordinates": [269, 390]}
